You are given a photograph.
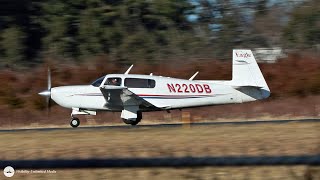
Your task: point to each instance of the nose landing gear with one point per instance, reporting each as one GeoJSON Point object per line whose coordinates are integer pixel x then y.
{"type": "Point", "coordinates": [75, 122]}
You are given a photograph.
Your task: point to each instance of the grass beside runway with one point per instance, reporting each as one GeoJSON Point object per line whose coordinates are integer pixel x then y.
{"type": "Point", "coordinates": [223, 140]}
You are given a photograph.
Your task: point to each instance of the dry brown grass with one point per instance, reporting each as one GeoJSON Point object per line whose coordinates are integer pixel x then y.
{"type": "Point", "coordinates": [215, 140]}
{"type": "Point", "coordinates": [282, 108]}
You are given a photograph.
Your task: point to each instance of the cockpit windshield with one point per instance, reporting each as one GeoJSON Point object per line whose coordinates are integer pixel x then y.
{"type": "Point", "coordinates": [98, 82]}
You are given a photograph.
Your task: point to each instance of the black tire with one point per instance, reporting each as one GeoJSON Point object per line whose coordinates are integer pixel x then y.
{"type": "Point", "coordinates": [139, 117]}
{"type": "Point", "coordinates": [133, 123]}
{"type": "Point", "coordinates": [75, 122]}
{"type": "Point", "coordinates": [126, 121]}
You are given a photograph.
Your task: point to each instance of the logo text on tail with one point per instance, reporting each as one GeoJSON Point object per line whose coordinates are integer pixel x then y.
{"type": "Point", "coordinates": [243, 55]}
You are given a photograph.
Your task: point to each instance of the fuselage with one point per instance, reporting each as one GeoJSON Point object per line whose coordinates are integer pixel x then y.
{"type": "Point", "coordinates": [165, 92]}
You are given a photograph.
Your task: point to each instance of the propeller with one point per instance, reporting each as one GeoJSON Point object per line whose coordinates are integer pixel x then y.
{"type": "Point", "coordinates": [47, 93]}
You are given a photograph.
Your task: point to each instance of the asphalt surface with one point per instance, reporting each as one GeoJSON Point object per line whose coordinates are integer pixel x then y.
{"type": "Point", "coordinates": [168, 125]}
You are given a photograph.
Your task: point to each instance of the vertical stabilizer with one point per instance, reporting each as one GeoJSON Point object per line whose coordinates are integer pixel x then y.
{"type": "Point", "coordinates": [246, 72]}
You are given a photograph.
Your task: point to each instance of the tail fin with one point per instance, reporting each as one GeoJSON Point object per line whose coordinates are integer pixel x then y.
{"type": "Point", "coordinates": [246, 72]}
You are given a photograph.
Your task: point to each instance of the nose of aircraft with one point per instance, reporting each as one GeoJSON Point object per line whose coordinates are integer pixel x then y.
{"type": "Point", "coordinates": [45, 93]}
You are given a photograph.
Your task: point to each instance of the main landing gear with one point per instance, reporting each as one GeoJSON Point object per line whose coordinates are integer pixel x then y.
{"type": "Point", "coordinates": [133, 122]}
{"type": "Point", "coordinates": [75, 122]}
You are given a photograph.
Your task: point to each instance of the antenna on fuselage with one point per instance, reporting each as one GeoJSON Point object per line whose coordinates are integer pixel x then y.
{"type": "Point", "coordinates": [151, 74]}
{"type": "Point", "coordinates": [195, 74]}
{"type": "Point", "coordinates": [127, 72]}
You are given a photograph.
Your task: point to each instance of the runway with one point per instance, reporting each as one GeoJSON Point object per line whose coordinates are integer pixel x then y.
{"type": "Point", "coordinates": [149, 126]}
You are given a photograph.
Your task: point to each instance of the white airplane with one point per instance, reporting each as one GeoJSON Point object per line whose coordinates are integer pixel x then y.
{"type": "Point", "coordinates": [133, 94]}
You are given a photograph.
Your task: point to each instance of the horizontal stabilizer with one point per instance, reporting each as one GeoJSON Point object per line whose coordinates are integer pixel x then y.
{"type": "Point", "coordinates": [248, 86]}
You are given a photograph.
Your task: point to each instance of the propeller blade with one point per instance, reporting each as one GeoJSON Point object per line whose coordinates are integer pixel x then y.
{"type": "Point", "coordinates": [48, 104]}
{"type": "Point", "coordinates": [47, 93]}
{"type": "Point", "coordinates": [49, 79]}
{"type": "Point", "coordinates": [49, 89]}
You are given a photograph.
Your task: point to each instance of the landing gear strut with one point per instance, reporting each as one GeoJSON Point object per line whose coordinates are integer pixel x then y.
{"type": "Point", "coordinates": [133, 122]}
{"type": "Point", "coordinates": [75, 122]}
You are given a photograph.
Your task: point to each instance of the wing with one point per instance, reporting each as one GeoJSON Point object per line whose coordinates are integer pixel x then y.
{"type": "Point", "coordinates": [116, 96]}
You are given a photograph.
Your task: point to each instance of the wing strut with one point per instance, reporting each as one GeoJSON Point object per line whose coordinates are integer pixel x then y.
{"type": "Point", "coordinates": [195, 74]}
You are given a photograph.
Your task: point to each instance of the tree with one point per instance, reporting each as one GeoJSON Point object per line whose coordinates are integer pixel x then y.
{"type": "Point", "coordinates": [303, 29]}
{"type": "Point", "coordinates": [127, 30]}
{"type": "Point", "coordinates": [12, 44]}
{"type": "Point", "coordinates": [261, 7]}
{"type": "Point", "coordinates": [221, 23]}
{"type": "Point", "coordinates": [59, 20]}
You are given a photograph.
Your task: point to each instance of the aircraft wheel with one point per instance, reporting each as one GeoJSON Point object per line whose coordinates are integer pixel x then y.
{"type": "Point", "coordinates": [75, 122]}
{"type": "Point", "coordinates": [133, 123]}
{"type": "Point", "coordinates": [139, 117]}
{"type": "Point", "coordinates": [126, 121]}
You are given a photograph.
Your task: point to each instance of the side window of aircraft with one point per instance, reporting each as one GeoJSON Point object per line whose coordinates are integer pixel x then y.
{"type": "Point", "coordinates": [115, 81]}
{"type": "Point", "coordinates": [139, 83]}
{"type": "Point", "coordinates": [98, 82]}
